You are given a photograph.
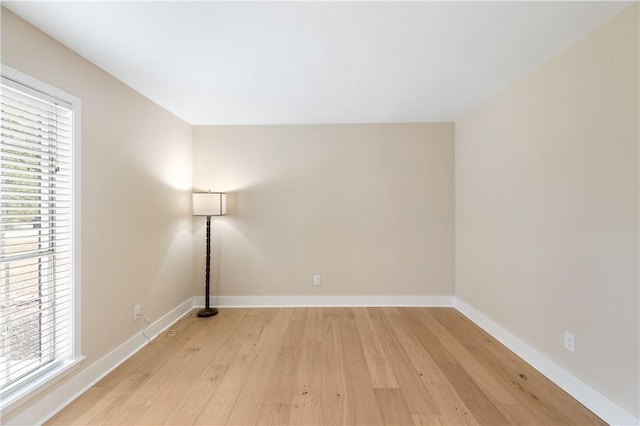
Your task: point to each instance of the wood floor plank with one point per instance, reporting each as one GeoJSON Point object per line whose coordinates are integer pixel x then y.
{"type": "Point", "coordinates": [77, 408]}
{"type": "Point", "coordinates": [218, 407]}
{"type": "Point", "coordinates": [426, 420]}
{"type": "Point", "coordinates": [299, 315]}
{"type": "Point", "coordinates": [415, 393]}
{"type": "Point", "coordinates": [382, 376]}
{"type": "Point", "coordinates": [333, 377]}
{"type": "Point", "coordinates": [201, 352]}
{"type": "Point", "coordinates": [100, 399]}
{"type": "Point", "coordinates": [393, 407]}
{"type": "Point", "coordinates": [482, 408]}
{"type": "Point", "coordinates": [313, 325]}
{"type": "Point", "coordinates": [274, 414]}
{"type": "Point", "coordinates": [307, 395]}
{"type": "Point", "coordinates": [433, 345]}
{"type": "Point", "coordinates": [451, 408]}
{"type": "Point", "coordinates": [111, 404]}
{"type": "Point", "coordinates": [221, 349]}
{"type": "Point", "coordinates": [326, 366]}
{"type": "Point", "coordinates": [499, 392]}
{"type": "Point", "coordinates": [192, 402]}
{"type": "Point", "coordinates": [246, 409]}
{"type": "Point", "coordinates": [361, 406]}
{"type": "Point", "coordinates": [520, 414]}
{"type": "Point", "coordinates": [283, 378]}
{"type": "Point", "coordinates": [171, 366]}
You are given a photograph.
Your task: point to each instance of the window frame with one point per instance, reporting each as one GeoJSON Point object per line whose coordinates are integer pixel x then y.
{"type": "Point", "coordinates": [31, 385]}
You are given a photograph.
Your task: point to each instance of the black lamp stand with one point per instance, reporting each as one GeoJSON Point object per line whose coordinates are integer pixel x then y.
{"type": "Point", "coordinates": [207, 311]}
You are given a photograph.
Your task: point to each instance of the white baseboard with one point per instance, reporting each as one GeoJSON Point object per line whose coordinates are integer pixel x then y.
{"type": "Point", "coordinates": [602, 406]}
{"type": "Point", "coordinates": [327, 301]}
{"type": "Point", "coordinates": [47, 406]}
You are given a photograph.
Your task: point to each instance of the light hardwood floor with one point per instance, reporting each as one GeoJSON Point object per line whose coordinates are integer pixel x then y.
{"type": "Point", "coordinates": [326, 366]}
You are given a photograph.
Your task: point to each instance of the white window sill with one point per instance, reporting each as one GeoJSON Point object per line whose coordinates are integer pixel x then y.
{"type": "Point", "coordinates": [30, 386]}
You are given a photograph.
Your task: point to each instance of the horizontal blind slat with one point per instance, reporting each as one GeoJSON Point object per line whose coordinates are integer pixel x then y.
{"type": "Point", "coordinates": [52, 280]}
{"type": "Point", "coordinates": [27, 264]}
{"type": "Point", "coordinates": [27, 316]}
{"type": "Point", "coordinates": [32, 161]}
{"type": "Point", "coordinates": [49, 325]}
{"type": "Point", "coordinates": [18, 104]}
{"type": "Point", "coordinates": [14, 115]}
{"type": "Point", "coordinates": [33, 141]}
{"type": "Point", "coordinates": [24, 284]}
{"type": "Point", "coordinates": [22, 132]}
{"type": "Point", "coordinates": [34, 190]}
{"type": "Point", "coordinates": [63, 149]}
{"type": "Point", "coordinates": [34, 350]}
{"type": "Point", "coordinates": [30, 101]}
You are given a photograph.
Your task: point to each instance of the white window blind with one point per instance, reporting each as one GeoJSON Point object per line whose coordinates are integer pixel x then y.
{"type": "Point", "coordinates": [36, 235]}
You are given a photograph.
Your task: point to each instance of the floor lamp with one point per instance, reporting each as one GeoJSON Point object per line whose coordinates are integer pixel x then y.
{"type": "Point", "coordinates": [209, 204]}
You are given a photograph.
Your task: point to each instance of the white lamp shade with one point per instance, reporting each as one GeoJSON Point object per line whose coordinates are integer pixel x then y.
{"type": "Point", "coordinates": [209, 203]}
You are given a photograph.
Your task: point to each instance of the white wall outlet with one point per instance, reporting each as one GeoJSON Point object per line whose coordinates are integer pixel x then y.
{"type": "Point", "coordinates": [569, 341]}
{"type": "Point", "coordinates": [136, 312]}
{"type": "Point", "coordinates": [316, 280]}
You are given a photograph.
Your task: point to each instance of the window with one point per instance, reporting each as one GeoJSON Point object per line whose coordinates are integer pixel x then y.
{"type": "Point", "coordinates": [38, 253]}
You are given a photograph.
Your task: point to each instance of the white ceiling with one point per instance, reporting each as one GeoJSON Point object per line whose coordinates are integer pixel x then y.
{"type": "Point", "coordinates": [317, 62]}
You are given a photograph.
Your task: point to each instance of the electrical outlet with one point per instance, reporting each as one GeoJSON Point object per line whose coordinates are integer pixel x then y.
{"type": "Point", "coordinates": [136, 312]}
{"type": "Point", "coordinates": [316, 280]}
{"type": "Point", "coordinates": [569, 342]}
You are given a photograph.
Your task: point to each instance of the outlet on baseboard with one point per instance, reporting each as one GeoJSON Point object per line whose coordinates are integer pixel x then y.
{"type": "Point", "coordinates": [569, 341]}
{"type": "Point", "coordinates": [136, 312]}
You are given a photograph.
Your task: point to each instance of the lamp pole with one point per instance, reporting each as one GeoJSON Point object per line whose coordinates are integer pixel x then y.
{"type": "Point", "coordinates": [208, 311]}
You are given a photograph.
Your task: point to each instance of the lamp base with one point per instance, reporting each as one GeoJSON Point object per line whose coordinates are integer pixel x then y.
{"type": "Point", "coordinates": [207, 312]}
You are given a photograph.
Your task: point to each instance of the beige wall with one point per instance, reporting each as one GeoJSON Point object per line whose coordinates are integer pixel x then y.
{"type": "Point", "coordinates": [136, 180]}
{"type": "Point", "coordinates": [368, 207]}
{"type": "Point", "coordinates": [547, 208]}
